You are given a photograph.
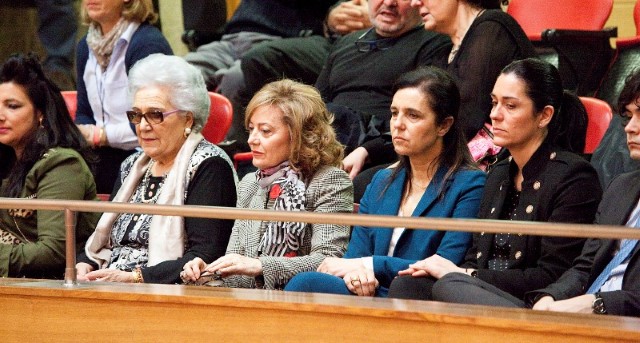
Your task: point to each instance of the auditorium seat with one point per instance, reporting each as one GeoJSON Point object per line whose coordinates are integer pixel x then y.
{"type": "Point", "coordinates": [599, 114]}
{"type": "Point", "coordinates": [220, 117]}
{"type": "Point", "coordinates": [71, 100]}
{"type": "Point", "coordinates": [571, 35]}
{"type": "Point", "coordinates": [625, 60]}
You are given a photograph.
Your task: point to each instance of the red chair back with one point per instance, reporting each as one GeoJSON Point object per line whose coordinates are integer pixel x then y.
{"type": "Point", "coordinates": [535, 16]}
{"type": "Point", "coordinates": [71, 99]}
{"type": "Point", "coordinates": [220, 117]}
{"type": "Point", "coordinates": [599, 114]}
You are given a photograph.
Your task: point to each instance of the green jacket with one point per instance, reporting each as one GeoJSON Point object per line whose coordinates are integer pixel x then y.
{"type": "Point", "coordinates": [60, 174]}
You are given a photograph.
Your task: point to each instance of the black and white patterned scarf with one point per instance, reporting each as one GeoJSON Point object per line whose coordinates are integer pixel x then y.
{"type": "Point", "coordinates": [288, 193]}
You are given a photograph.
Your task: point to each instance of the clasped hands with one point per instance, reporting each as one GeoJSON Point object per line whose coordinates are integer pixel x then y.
{"type": "Point", "coordinates": [435, 266]}
{"type": "Point", "coordinates": [358, 279]}
{"type": "Point", "coordinates": [231, 264]}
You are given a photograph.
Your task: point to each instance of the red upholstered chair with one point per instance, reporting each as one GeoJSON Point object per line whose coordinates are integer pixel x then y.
{"type": "Point", "coordinates": [536, 16]}
{"type": "Point", "coordinates": [625, 61]}
{"type": "Point", "coordinates": [599, 114]}
{"type": "Point", "coordinates": [71, 99]}
{"type": "Point", "coordinates": [220, 117]}
{"type": "Point", "coordinates": [242, 157]}
{"type": "Point", "coordinates": [571, 35]}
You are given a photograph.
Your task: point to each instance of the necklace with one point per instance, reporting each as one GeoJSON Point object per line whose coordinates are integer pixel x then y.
{"type": "Point", "coordinates": [151, 191]}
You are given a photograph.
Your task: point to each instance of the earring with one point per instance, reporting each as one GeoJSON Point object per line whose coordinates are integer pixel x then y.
{"type": "Point", "coordinates": [40, 122]}
{"type": "Point", "coordinates": [187, 132]}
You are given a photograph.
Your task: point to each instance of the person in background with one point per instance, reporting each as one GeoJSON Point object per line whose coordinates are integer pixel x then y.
{"type": "Point", "coordinates": [43, 156]}
{"type": "Point", "coordinates": [120, 34]}
{"type": "Point", "coordinates": [485, 40]}
{"type": "Point", "coordinates": [297, 156]}
{"type": "Point", "coordinates": [435, 177]}
{"type": "Point", "coordinates": [176, 166]}
{"type": "Point", "coordinates": [543, 180]}
{"type": "Point", "coordinates": [604, 278]}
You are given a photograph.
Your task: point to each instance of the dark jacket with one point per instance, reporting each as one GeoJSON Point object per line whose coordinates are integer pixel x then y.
{"type": "Point", "coordinates": [558, 186]}
{"type": "Point", "coordinates": [617, 204]}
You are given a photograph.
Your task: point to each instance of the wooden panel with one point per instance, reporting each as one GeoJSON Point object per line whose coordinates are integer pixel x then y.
{"type": "Point", "coordinates": [47, 311]}
{"type": "Point", "coordinates": [622, 17]}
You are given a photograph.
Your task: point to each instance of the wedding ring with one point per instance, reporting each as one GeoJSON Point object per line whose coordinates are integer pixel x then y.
{"type": "Point", "coordinates": [354, 281]}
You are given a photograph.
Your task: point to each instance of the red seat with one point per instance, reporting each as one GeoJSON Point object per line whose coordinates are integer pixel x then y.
{"type": "Point", "coordinates": [220, 117]}
{"type": "Point", "coordinates": [71, 99]}
{"type": "Point", "coordinates": [242, 157]}
{"type": "Point", "coordinates": [535, 16]}
{"type": "Point", "coordinates": [599, 114]}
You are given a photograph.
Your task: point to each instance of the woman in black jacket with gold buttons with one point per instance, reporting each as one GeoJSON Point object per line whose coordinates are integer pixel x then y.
{"type": "Point", "coordinates": [542, 180]}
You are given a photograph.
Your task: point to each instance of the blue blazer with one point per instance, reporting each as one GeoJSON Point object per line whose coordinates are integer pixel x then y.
{"type": "Point", "coordinates": [462, 195]}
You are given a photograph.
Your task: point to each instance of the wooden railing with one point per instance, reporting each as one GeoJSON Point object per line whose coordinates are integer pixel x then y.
{"type": "Point", "coordinates": [36, 310]}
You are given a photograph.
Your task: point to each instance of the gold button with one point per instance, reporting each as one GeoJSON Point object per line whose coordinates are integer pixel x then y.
{"type": "Point", "coordinates": [518, 255]}
{"type": "Point", "coordinates": [553, 155]}
{"type": "Point", "coordinates": [536, 185]}
{"type": "Point", "coordinates": [482, 233]}
{"type": "Point", "coordinates": [529, 209]}
{"type": "Point", "coordinates": [493, 209]}
{"type": "Point", "coordinates": [478, 255]}
{"type": "Point", "coordinates": [519, 235]}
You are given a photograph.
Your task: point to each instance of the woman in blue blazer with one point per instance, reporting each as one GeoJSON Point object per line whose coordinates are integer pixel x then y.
{"type": "Point", "coordinates": [435, 177]}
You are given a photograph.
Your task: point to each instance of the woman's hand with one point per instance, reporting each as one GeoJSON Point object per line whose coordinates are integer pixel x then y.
{"type": "Point", "coordinates": [82, 269]}
{"type": "Point", "coordinates": [339, 267]}
{"type": "Point", "coordinates": [579, 304]}
{"type": "Point", "coordinates": [191, 270]}
{"type": "Point", "coordinates": [235, 264]}
{"type": "Point", "coordinates": [110, 275]}
{"type": "Point", "coordinates": [434, 265]}
{"type": "Point", "coordinates": [361, 282]}
{"type": "Point", "coordinates": [87, 132]}
{"type": "Point", "coordinates": [354, 162]}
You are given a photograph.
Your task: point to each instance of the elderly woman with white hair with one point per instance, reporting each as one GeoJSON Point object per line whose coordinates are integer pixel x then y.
{"type": "Point", "coordinates": [176, 166]}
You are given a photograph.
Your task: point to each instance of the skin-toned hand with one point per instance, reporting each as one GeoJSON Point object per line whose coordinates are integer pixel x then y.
{"type": "Point", "coordinates": [434, 265]}
{"type": "Point", "coordinates": [235, 264]}
{"type": "Point", "coordinates": [579, 304]}
{"type": "Point", "coordinates": [191, 270]}
{"type": "Point", "coordinates": [339, 266]}
{"type": "Point", "coordinates": [349, 16]}
{"type": "Point", "coordinates": [82, 269]}
{"type": "Point", "coordinates": [361, 282]}
{"type": "Point", "coordinates": [110, 275]}
{"type": "Point", "coordinates": [354, 162]}
{"type": "Point", "coordinates": [87, 132]}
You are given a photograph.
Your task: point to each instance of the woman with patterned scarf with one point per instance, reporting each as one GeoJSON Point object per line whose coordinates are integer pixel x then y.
{"type": "Point", "coordinates": [120, 34]}
{"type": "Point", "coordinates": [297, 155]}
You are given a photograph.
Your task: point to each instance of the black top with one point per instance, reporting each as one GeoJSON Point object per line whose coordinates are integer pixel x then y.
{"type": "Point", "coordinates": [285, 18]}
{"type": "Point", "coordinates": [362, 81]}
{"type": "Point", "coordinates": [212, 185]}
{"type": "Point", "coordinates": [493, 41]}
{"type": "Point", "coordinates": [558, 186]}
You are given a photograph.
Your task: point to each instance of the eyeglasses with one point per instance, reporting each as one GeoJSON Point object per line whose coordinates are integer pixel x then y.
{"type": "Point", "coordinates": [152, 117]}
{"type": "Point", "coordinates": [372, 45]}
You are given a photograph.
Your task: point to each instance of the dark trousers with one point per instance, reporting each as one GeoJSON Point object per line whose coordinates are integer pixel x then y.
{"type": "Point", "coordinates": [464, 289]}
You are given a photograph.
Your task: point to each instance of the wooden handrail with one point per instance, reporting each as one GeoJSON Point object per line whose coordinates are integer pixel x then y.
{"type": "Point", "coordinates": [468, 225]}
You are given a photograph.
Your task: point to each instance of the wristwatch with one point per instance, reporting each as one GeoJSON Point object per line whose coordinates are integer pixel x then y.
{"type": "Point", "coordinates": [598, 305]}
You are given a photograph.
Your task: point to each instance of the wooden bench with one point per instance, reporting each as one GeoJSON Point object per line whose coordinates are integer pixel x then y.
{"type": "Point", "coordinates": [36, 310]}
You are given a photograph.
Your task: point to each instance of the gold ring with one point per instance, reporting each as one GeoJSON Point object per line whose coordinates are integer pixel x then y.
{"type": "Point", "coordinates": [354, 278]}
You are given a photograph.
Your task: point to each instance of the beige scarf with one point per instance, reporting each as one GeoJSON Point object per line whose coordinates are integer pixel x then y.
{"type": "Point", "coordinates": [102, 45]}
{"type": "Point", "coordinates": [166, 234]}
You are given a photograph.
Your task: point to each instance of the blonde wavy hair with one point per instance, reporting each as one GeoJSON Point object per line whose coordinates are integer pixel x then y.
{"type": "Point", "coordinates": [134, 10]}
{"type": "Point", "coordinates": [313, 140]}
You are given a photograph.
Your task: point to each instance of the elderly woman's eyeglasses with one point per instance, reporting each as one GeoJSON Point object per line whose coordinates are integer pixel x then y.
{"type": "Point", "coordinates": [152, 117]}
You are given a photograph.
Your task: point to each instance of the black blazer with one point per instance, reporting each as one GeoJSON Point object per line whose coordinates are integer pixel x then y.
{"type": "Point", "coordinates": [558, 186]}
{"type": "Point", "coordinates": [618, 201]}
